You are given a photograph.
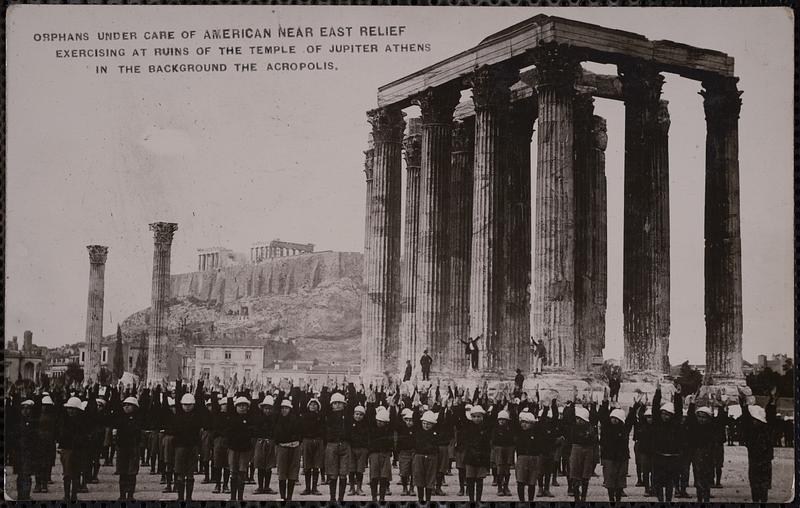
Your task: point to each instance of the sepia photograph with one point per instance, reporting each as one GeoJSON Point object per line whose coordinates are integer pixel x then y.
{"type": "Point", "coordinates": [352, 254]}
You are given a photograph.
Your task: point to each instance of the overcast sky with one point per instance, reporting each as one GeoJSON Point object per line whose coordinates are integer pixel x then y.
{"type": "Point", "coordinates": [238, 158]}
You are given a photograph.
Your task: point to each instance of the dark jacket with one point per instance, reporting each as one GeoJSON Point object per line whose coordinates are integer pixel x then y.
{"type": "Point", "coordinates": [129, 429]}
{"type": "Point", "coordinates": [477, 444]}
{"type": "Point", "coordinates": [615, 438]}
{"type": "Point", "coordinates": [239, 431]}
{"type": "Point", "coordinates": [668, 436]}
{"type": "Point", "coordinates": [337, 426]}
{"type": "Point", "coordinates": [426, 441]}
{"type": "Point", "coordinates": [287, 429]}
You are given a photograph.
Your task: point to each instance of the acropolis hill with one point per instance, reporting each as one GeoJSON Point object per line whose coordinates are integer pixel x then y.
{"type": "Point", "coordinates": [310, 301]}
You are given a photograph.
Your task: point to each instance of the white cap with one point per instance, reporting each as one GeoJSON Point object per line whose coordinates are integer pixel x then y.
{"type": "Point", "coordinates": [337, 397]}
{"type": "Point", "coordinates": [468, 406]}
{"type": "Point", "coordinates": [503, 415]}
{"type": "Point", "coordinates": [209, 402]}
{"type": "Point", "coordinates": [84, 404]}
{"type": "Point", "coordinates": [313, 401]}
{"type": "Point", "coordinates": [477, 410]}
{"type": "Point", "coordinates": [382, 415]}
{"type": "Point", "coordinates": [74, 402]}
{"type": "Point", "coordinates": [758, 413]}
{"type": "Point", "coordinates": [429, 416]}
{"type": "Point", "coordinates": [582, 413]}
{"type": "Point", "coordinates": [407, 413]}
{"type": "Point", "coordinates": [648, 412]}
{"type": "Point", "coordinates": [735, 412]}
{"type": "Point", "coordinates": [705, 410]}
{"type": "Point", "coordinates": [269, 400]}
{"type": "Point", "coordinates": [132, 401]}
{"type": "Point", "coordinates": [170, 401]}
{"type": "Point", "coordinates": [360, 409]}
{"type": "Point", "coordinates": [188, 398]}
{"type": "Point", "coordinates": [101, 401]}
{"type": "Point", "coordinates": [668, 407]}
{"type": "Point", "coordinates": [27, 402]}
{"type": "Point", "coordinates": [47, 401]}
{"type": "Point", "coordinates": [425, 407]}
{"type": "Point", "coordinates": [526, 416]}
{"type": "Point", "coordinates": [236, 402]}
{"type": "Point", "coordinates": [619, 414]}
{"type": "Point", "coordinates": [286, 403]}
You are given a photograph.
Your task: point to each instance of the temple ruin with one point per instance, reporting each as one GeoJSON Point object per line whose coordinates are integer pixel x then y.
{"type": "Point", "coordinates": [278, 249]}
{"type": "Point", "coordinates": [467, 269]}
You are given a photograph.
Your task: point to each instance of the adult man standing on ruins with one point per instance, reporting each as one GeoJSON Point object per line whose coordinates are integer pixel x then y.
{"type": "Point", "coordinates": [407, 373]}
{"type": "Point", "coordinates": [539, 354]}
{"type": "Point", "coordinates": [471, 350]}
{"type": "Point", "coordinates": [425, 362]}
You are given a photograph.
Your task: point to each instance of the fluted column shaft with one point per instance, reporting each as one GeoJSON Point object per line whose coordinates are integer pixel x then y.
{"type": "Point", "coordinates": [723, 244]}
{"type": "Point", "coordinates": [554, 264]}
{"type": "Point", "coordinates": [437, 107]}
{"type": "Point", "coordinates": [515, 350]}
{"type": "Point", "coordinates": [380, 349]}
{"type": "Point", "coordinates": [645, 292]}
{"type": "Point", "coordinates": [460, 241]}
{"type": "Point", "coordinates": [590, 233]}
{"type": "Point", "coordinates": [491, 96]}
{"type": "Point", "coordinates": [412, 146]}
{"type": "Point", "coordinates": [94, 309]}
{"type": "Point", "coordinates": [159, 306]}
{"type": "Point", "coordinates": [367, 309]}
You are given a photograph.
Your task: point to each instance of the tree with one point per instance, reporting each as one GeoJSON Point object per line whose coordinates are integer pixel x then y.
{"type": "Point", "coordinates": [74, 373]}
{"type": "Point", "coordinates": [140, 369]}
{"type": "Point", "coordinates": [690, 379]}
{"type": "Point", "coordinates": [118, 363]}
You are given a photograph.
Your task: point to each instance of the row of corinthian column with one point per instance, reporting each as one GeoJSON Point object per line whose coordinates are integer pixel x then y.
{"type": "Point", "coordinates": [466, 265]}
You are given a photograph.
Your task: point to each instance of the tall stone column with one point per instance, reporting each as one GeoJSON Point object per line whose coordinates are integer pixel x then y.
{"type": "Point", "coordinates": [412, 148]}
{"type": "Point", "coordinates": [645, 278]}
{"type": "Point", "coordinates": [723, 243]}
{"type": "Point", "coordinates": [94, 309]}
{"type": "Point", "coordinates": [491, 96]}
{"type": "Point", "coordinates": [557, 68]}
{"type": "Point", "coordinates": [367, 317]}
{"type": "Point", "coordinates": [380, 349]}
{"type": "Point", "coordinates": [515, 350]}
{"type": "Point", "coordinates": [460, 241]}
{"type": "Point", "coordinates": [159, 307]}
{"type": "Point", "coordinates": [437, 106]}
{"type": "Point", "coordinates": [590, 233]}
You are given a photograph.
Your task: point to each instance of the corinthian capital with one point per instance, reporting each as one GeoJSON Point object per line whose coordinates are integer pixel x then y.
{"type": "Point", "coordinates": [369, 158]}
{"type": "Point", "coordinates": [387, 125]}
{"type": "Point", "coordinates": [438, 104]}
{"type": "Point", "coordinates": [491, 86]}
{"type": "Point", "coordinates": [163, 231]}
{"type": "Point", "coordinates": [641, 82]}
{"type": "Point", "coordinates": [662, 117]}
{"type": "Point", "coordinates": [97, 254]}
{"type": "Point", "coordinates": [557, 66]}
{"type": "Point", "coordinates": [412, 144]}
{"type": "Point", "coordinates": [721, 98]}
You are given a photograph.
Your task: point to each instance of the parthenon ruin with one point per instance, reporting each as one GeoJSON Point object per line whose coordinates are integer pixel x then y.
{"type": "Point", "coordinates": [278, 249]}
{"type": "Point", "coordinates": [468, 268]}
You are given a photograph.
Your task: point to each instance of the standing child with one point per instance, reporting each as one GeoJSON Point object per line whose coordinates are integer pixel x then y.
{"type": "Point", "coordinates": [127, 432]}
{"type": "Point", "coordinates": [756, 423]}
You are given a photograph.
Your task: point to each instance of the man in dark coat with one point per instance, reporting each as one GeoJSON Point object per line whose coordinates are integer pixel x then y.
{"type": "Point", "coordinates": [425, 362]}
{"type": "Point", "coordinates": [408, 371]}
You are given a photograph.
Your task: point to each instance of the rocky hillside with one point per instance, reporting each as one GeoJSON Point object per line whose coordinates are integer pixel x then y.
{"type": "Point", "coordinates": [310, 305]}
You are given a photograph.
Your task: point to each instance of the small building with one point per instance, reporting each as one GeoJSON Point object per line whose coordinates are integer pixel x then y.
{"type": "Point", "coordinates": [243, 359]}
{"type": "Point", "coordinates": [776, 364]}
{"type": "Point", "coordinates": [27, 363]}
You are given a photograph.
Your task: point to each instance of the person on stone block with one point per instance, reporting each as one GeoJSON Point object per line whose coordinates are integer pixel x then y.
{"type": "Point", "coordinates": [668, 440]}
{"type": "Point", "coordinates": [337, 424]}
{"type": "Point", "coordinates": [756, 423]}
{"type": "Point", "coordinates": [126, 425]}
{"type": "Point", "coordinates": [359, 450]}
{"type": "Point", "coordinates": [380, 443]}
{"type": "Point", "coordinates": [519, 381]}
{"type": "Point", "coordinates": [425, 362]}
{"type": "Point", "coordinates": [408, 371]}
{"type": "Point", "coordinates": [615, 430]}
{"type": "Point", "coordinates": [313, 432]}
{"type": "Point", "coordinates": [264, 454]}
{"type": "Point", "coordinates": [477, 453]}
{"type": "Point", "coordinates": [288, 435]}
{"type": "Point", "coordinates": [425, 462]}
{"type": "Point", "coordinates": [582, 436]}
{"type": "Point", "coordinates": [539, 355]}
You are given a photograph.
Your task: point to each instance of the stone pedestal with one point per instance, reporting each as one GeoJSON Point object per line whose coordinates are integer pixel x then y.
{"type": "Point", "coordinates": [723, 244]}
{"type": "Point", "coordinates": [379, 341]}
{"type": "Point", "coordinates": [94, 309]}
{"type": "Point", "coordinates": [159, 307]}
{"type": "Point", "coordinates": [460, 241]}
{"type": "Point", "coordinates": [645, 292]}
{"type": "Point", "coordinates": [412, 147]}
{"type": "Point", "coordinates": [557, 69]}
